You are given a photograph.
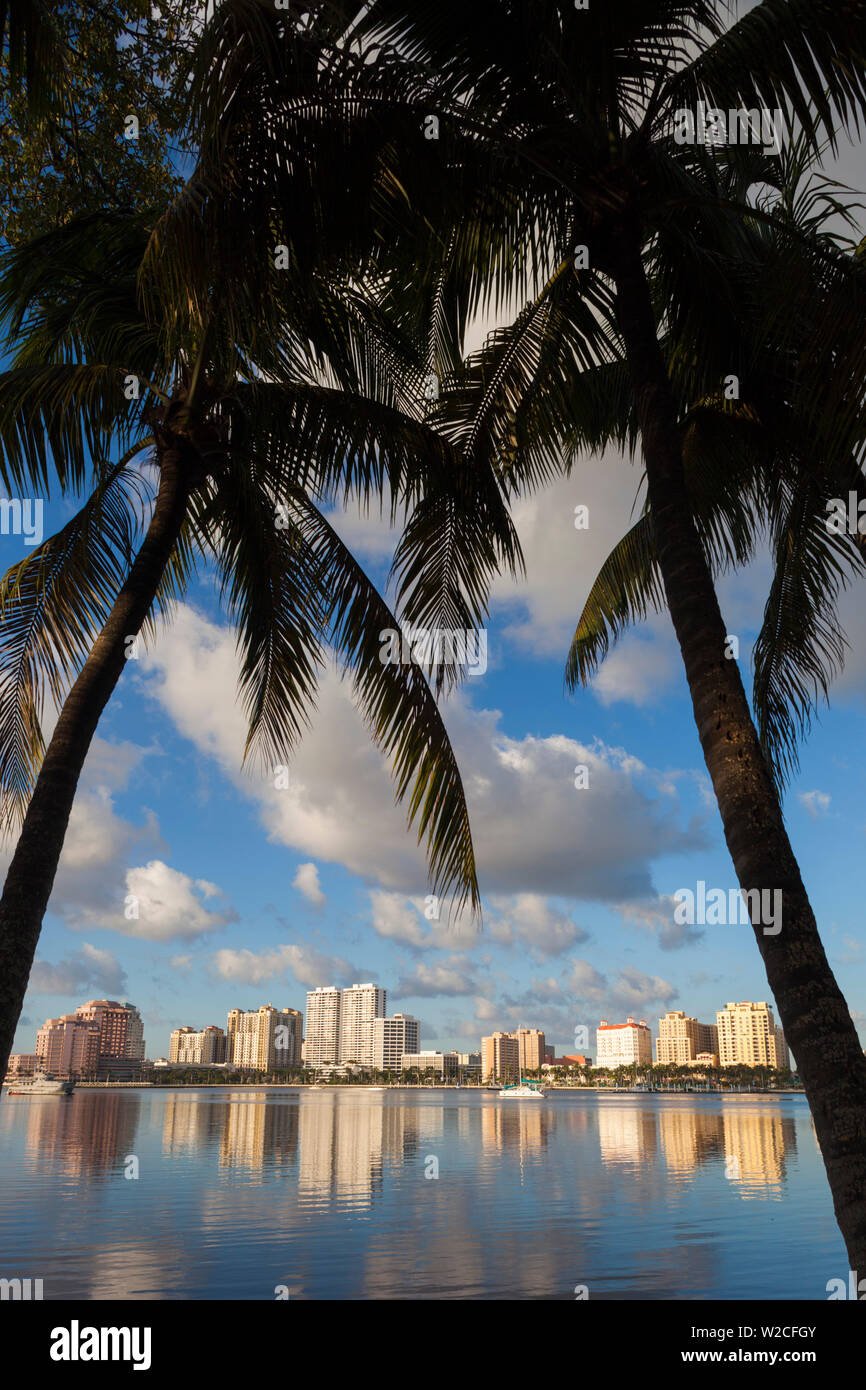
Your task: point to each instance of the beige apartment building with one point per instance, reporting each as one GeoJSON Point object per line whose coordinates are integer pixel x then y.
{"type": "Point", "coordinates": [197, 1048]}
{"type": "Point", "coordinates": [500, 1057]}
{"type": "Point", "coordinates": [681, 1038]}
{"type": "Point", "coordinates": [254, 1043]}
{"type": "Point", "coordinates": [530, 1048]}
{"type": "Point", "coordinates": [749, 1036]}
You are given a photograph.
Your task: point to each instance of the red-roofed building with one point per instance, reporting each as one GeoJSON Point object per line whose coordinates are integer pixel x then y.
{"type": "Point", "coordinates": [623, 1044]}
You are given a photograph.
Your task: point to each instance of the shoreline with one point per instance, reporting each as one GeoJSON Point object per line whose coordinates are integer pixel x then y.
{"type": "Point", "coordinates": [342, 1086]}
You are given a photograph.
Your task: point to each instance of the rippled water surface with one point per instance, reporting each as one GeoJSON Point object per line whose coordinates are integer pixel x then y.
{"type": "Point", "coordinates": [326, 1193]}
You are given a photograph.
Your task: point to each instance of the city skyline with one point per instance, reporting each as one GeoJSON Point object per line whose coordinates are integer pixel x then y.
{"type": "Point", "coordinates": [745, 1032]}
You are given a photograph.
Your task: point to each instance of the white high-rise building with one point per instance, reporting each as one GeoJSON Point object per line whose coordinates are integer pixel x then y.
{"type": "Point", "coordinates": [391, 1038]}
{"type": "Point", "coordinates": [359, 1006]}
{"type": "Point", "coordinates": [623, 1044]}
{"type": "Point", "coordinates": [322, 1039]}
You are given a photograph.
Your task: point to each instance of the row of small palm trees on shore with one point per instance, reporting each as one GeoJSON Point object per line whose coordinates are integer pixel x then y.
{"type": "Point", "coordinates": [659, 1074]}
{"type": "Point", "coordinates": [645, 278]}
{"type": "Point", "coordinates": [166, 1076]}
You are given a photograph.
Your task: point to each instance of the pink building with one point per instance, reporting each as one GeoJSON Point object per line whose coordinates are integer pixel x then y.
{"type": "Point", "coordinates": [68, 1046]}
{"type": "Point", "coordinates": [22, 1064]}
{"type": "Point", "coordinates": [121, 1035]}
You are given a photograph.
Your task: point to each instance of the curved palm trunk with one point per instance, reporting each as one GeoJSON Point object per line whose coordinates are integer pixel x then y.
{"type": "Point", "coordinates": [812, 1009]}
{"type": "Point", "coordinates": [34, 863]}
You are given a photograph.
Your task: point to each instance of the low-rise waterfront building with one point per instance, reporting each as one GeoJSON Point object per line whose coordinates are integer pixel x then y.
{"type": "Point", "coordinates": [22, 1064]}
{"type": "Point", "coordinates": [443, 1064]}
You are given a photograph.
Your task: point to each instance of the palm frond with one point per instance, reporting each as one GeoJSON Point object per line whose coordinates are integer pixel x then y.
{"type": "Point", "coordinates": [275, 600]}
{"type": "Point", "coordinates": [52, 605]}
{"type": "Point", "coordinates": [398, 707]}
{"type": "Point", "coordinates": [801, 646]}
{"type": "Point", "coordinates": [804, 57]}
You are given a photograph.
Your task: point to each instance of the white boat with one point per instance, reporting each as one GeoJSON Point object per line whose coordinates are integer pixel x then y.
{"type": "Point", "coordinates": [40, 1084]}
{"type": "Point", "coordinates": [527, 1090]}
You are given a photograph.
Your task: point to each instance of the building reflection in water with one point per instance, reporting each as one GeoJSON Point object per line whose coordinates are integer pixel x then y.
{"type": "Point", "coordinates": [345, 1142]}
{"type": "Point", "coordinates": [192, 1125]}
{"type": "Point", "coordinates": [86, 1134]}
{"type": "Point", "coordinates": [752, 1140]}
{"type": "Point", "coordinates": [627, 1134]}
{"type": "Point", "coordinates": [258, 1133]}
{"type": "Point", "coordinates": [516, 1126]}
{"type": "Point", "coordinates": [756, 1144]}
{"type": "Point", "coordinates": [342, 1142]}
{"type": "Point", "coordinates": [690, 1138]}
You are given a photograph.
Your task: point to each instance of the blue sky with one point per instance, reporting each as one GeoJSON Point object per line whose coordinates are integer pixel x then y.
{"type": "Point", "coordinates": [249, 894]}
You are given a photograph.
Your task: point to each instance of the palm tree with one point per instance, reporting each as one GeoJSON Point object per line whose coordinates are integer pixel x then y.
{"type": "Point", "coordinates": [764, 466]}
{"type": "Point", "coordinates": [248, 440]}
{"type": "Point", "coordinates": [577, 110]}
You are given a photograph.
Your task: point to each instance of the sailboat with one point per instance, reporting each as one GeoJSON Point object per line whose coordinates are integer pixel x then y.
{"type": "Point", "coordinates": [523, 1090]}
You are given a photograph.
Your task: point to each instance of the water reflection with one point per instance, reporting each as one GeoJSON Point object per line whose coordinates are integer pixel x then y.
{"type": "Point", "coordinates": [72, 1138]}
{"type": "Point", "coordinates": [241, 1190]}
{"type": "Point", "coordinates": [627, 1133]}
{"type": "Point", "coordinates": [342, 1143]}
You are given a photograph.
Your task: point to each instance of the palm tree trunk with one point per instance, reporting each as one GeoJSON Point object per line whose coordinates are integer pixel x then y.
{"type": "Point", "coordinates": [812, 1009]}
{"type": "Point", "coordinates": [34, 863]}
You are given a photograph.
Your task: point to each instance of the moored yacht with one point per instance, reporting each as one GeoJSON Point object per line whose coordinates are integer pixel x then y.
{"type": "Point", "coordinates": [40, 1084]}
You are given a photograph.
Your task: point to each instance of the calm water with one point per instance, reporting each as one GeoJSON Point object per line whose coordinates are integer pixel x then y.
{"type": "Point", "coordinates": [325, 1192]}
